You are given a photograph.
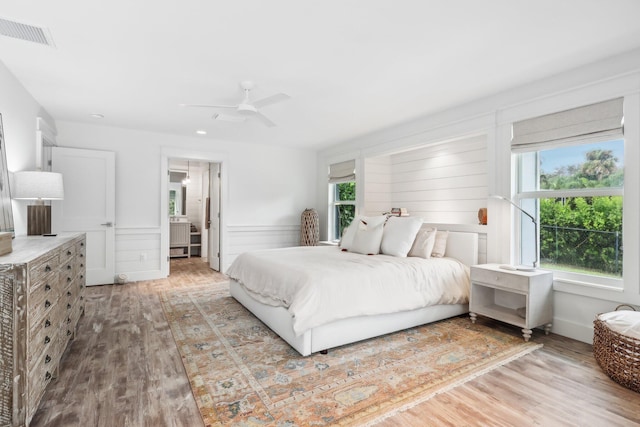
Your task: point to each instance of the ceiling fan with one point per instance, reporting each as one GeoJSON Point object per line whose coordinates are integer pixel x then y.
{"type": "Point", "coordinates": [246, 108]}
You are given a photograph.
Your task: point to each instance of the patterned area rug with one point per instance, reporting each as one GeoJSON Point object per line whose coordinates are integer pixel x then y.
{"type": "Point", "coordinates": [242, 374]}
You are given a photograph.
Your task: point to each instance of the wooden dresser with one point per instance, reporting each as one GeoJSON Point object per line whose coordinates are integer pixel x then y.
{"type": "Point", "coordinates": [41, 299]}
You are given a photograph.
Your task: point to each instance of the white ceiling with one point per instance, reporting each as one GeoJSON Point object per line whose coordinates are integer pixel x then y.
{"type": "Point", "coordinates": [350, 67]}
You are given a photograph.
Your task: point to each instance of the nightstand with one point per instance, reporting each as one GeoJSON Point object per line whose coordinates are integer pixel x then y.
{"type": "Point", "coordinates": [520, 298]}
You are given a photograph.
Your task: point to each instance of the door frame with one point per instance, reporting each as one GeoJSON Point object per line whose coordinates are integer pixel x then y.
{"type": "Point", "coordinates": [195, 155]}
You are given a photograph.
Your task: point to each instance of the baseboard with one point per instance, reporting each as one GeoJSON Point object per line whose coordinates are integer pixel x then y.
{"type": "Point", "coordinates": [573, 330]}
{"type": "Point", "coordinates": [136, 276]}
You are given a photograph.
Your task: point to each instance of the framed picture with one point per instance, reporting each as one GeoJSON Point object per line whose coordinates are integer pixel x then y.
{"type": "Point", "coordinates": [6, 213]}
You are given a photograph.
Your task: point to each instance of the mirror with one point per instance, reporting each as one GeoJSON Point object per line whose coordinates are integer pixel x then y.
{"type": "Point", "coordinates": [177, 193]}
{"type": "Point", "coordinates": [6, 213]}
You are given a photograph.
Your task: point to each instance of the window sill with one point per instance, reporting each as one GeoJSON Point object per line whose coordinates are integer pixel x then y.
{"type": "Point", "coordinates": [588, 289]}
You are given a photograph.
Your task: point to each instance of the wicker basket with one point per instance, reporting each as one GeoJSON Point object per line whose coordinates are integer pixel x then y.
{"type": "Point", "coordinates": [618, 355]}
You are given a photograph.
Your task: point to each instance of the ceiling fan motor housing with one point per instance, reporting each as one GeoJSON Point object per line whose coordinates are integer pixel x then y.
{"type": "Point", "coordinates": [246, 109]}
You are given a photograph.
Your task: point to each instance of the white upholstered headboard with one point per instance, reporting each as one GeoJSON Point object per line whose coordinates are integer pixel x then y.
{"type": "Point", "coordinates": [463, 247]}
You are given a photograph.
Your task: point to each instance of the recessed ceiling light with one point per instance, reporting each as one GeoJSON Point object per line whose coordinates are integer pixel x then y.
{"type": "Point", "coordinates": [96, 116]}
{"type": "Point", "coordinates": [201, 132]}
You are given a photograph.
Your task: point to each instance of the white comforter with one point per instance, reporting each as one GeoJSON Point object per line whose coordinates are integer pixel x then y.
{"type": "Point", "coordinates": [322, 284]}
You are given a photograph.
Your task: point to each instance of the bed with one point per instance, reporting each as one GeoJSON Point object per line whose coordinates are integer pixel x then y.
{"type": "Point", "coordinates": [314, 322]}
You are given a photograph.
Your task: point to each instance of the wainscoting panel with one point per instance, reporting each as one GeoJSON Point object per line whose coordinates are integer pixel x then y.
{"type": "Point", "coordinates": [138, 253]}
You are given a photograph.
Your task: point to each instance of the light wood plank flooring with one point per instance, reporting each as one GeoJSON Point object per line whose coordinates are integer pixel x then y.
{"type": "Point", "coordinates": [123, 369]}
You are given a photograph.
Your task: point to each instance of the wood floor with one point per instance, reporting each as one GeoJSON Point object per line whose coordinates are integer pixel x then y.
{"type": "Point", "coordinates": [123, 369]}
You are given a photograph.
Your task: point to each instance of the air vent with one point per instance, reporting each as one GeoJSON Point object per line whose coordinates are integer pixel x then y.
{"type": "Point", "coordinates": [26, 32]}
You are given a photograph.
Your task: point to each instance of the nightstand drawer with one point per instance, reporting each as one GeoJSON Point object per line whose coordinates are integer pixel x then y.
{"type": "Point", "coordinates": [512, 281]}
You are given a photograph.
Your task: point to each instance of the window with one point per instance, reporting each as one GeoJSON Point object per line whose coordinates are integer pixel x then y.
{"type": "Point", "coordinates": [574, 187]}
{"type": "Point", "coordinates": [344, 207]}
{"type": "Point", "coordinates": [342, 197]}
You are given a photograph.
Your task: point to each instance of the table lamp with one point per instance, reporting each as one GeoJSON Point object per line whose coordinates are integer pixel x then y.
{"type": "Point", "coordinates": [38, 186]}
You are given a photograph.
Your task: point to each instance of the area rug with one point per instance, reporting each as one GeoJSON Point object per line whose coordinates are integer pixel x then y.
{"type": "Point", "coordinates": [242, 374]}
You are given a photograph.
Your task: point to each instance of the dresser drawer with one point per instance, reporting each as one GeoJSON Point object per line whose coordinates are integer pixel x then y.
{"type": "Point", "coordinates": [42, 267]}
{"type": "Point", "coordinates": [67, 252]}
{"type": "Point", "coordinates": [499, 279]}
{"type": "Point", "coordinates": [43, 372]}
{"type": "Point", "coordinates": [40, 308]}
{"type": "Point", "coordinates": [43, 336]}
{"type": "Point", "coordinates": [47, 288]}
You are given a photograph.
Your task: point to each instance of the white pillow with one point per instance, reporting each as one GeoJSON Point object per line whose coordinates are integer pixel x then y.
{"type": "Point", "coordinates": [424, 242]}
{"type": "Point", "coordinates": [368, 235]}
{"type": "Point", "coordinates": [399, 234]}
{"type": "Point", "coordinates": [348, 234]}
{"type": "Point", "coordinates": [440, 246]}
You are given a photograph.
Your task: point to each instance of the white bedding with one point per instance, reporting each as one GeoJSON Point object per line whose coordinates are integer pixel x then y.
{"type": "Point", "coordinates": [318, 285]}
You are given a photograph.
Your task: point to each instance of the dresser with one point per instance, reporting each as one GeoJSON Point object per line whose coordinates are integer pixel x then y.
{"type": "Point", "coordinates": [41, 300]}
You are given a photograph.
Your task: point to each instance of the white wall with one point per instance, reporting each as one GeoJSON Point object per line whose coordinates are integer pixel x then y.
{"type": "Point", "coordinates": [267, 189]}
{"type": "Point", "coordinates": [19, 113]}
{"type": "Point", "coordinates": [575, 306]}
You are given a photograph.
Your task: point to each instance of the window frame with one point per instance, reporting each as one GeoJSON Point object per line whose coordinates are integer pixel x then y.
{"type": "Point", "coordinates": [572, 278]}
{"type": "Point", "coordinates": [334, 202]}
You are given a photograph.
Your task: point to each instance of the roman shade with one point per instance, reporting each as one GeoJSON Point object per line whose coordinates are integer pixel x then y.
{"type": "Point", "coordinates": [599, 121]}
{"type": "Point", "coordinates": [342, 172]}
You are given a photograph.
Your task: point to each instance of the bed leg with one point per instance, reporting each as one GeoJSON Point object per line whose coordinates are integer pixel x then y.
{"type": "Point", "coordinates": [324, 351]}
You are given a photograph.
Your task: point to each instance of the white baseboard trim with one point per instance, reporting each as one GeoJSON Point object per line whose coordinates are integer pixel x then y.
{"type": "Point", "coordinates": [573, 330]}
{"type": "Point", "coordinates": [137, 276]}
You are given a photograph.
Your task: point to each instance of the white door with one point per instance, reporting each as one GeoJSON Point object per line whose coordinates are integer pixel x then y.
{"type": "Point", "coordinates": [88, 206]}
{"type": "Point", "coordinates": [214, 216]}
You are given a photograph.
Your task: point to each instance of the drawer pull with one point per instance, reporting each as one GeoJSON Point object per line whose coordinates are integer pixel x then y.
{"type": "Point", "coordinates": [47, 359]}
{"type": "Point", "coordinates": [47, 304]}
{"type": "Point", "coordinates": [81, 255]}
{"type": "Point", "coordinates": [68, 332]}
{"type": "Point", "coordinates": [69, 279]}
{"type": "Point", "coordinates": [68, 253]}
{"type": "Point", "coordinates": [47, 268]}
{"type": "Point", "coordinates": [68, 320]}
{"type": "Point", "coordinates": [82, 244]}
{"type": "Point", "coordinates": [47, 323]}
{"type": "Point", "coordinates": [47, 376]}
{"type": "Point", "coordinates": [68, 293]}
{"type": "Point", "coordinates": [68, 306]}
{"type": "Point", "coordinates": [69, 267]}
{"type": "Point", "coordinates": [47, 340]}
{"type": "Point", "coordinates": [47, 287]}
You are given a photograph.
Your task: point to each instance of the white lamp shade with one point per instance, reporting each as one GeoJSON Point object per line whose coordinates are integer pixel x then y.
{"type": "Point", "coordinates": [34, 185]}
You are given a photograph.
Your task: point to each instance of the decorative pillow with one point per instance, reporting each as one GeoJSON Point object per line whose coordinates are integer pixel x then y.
{"type": "Point", "coordinates": [424, 242]}
{"type": "Point", "coordinates": [399, 234]}
{"type": "Point", "coordinates": [348, 234]}
{"type": "Point", "coordinates": [440, 246]}
{"type": "Point", "coordinates": [368, 235]}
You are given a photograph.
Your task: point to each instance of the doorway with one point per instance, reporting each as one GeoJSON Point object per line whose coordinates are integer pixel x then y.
{"type": "Point", "coordinates": [193, 198]}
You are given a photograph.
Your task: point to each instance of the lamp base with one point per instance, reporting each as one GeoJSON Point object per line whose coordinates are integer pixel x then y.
{"type": "Point", "coordinates": [38, 220]}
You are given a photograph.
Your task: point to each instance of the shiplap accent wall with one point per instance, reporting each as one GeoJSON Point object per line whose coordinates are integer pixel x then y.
{"type": "Point", "coordinates": [377, 185]}
{"type": "Point", "coordinates": [442, 183]}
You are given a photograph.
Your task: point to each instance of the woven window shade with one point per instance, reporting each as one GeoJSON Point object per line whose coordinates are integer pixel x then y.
{"type": "Point", "coordinates": [599, 121]}
{"type": "Point", "coordinates": [342, 172]}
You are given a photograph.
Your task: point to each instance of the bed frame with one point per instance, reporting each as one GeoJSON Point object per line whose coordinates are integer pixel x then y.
{"type": "Point", "coordinates": [460, 245]}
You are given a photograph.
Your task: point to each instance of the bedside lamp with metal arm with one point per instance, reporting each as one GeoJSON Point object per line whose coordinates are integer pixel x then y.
{"type": "Point", "coordinates": [535, 225]}
{"type": "Point", "coordinates": [38, 186]}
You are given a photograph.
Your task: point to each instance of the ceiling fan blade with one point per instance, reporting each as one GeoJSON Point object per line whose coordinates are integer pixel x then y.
{"type": "Point", "coordinates": [264, 119]}
{"type": "Point", "coordinates": [278, 97]}
{"type": "Point", "coordinates": [228, 118]}
{"type": "Point", "coordinates": [208, 106]}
